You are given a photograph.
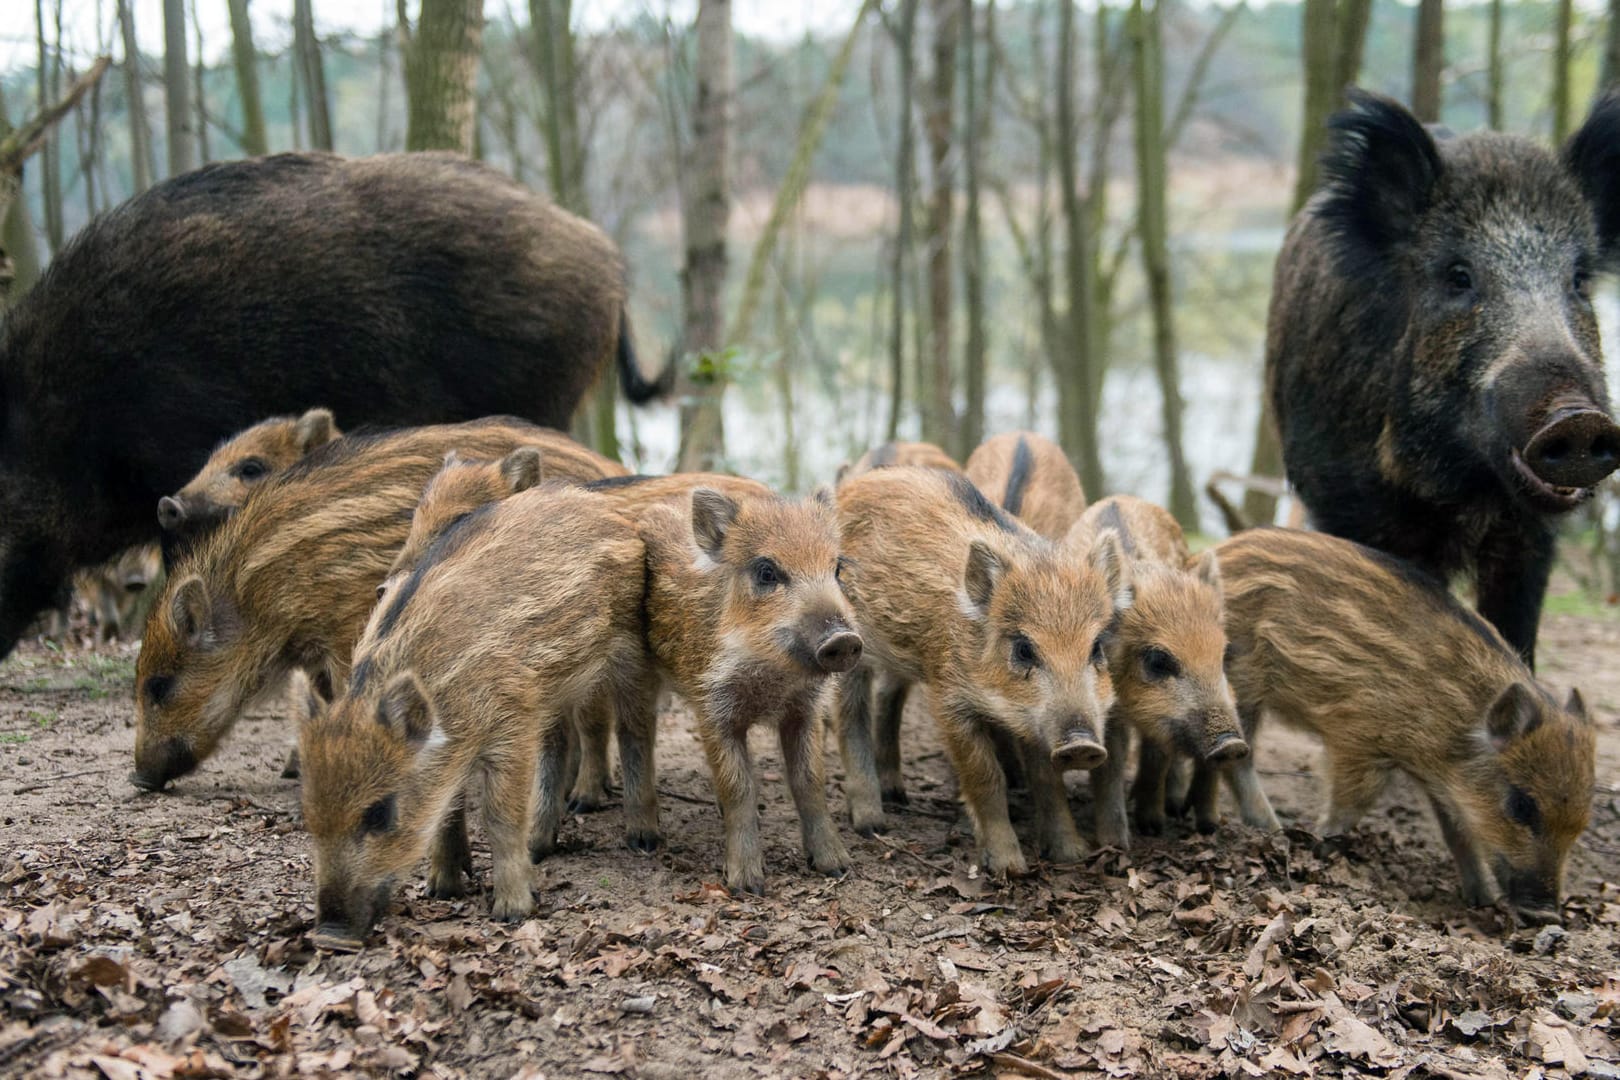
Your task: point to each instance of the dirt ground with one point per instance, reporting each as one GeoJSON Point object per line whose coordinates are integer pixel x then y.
{"type": "Point", "coordinates": [166, 935]}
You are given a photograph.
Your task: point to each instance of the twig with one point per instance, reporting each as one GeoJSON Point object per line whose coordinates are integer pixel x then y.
{"type": "Point", "coordinates": [1024, 1065]}
{"type": "Point", "coordinates": [16, 147]}
{"type": "Point", "coordinates": [49, 780]}
{"type": "Point", "coordinates": [678, 797]}
{"type": "Point", "coordinates": [939, 868]}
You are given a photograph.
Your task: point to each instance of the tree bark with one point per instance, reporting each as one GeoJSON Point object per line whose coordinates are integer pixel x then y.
{"type": "Point", "coordinates": [1493, 66]}
{"type": "Point", "coordinates": [975, 132]}
{"type": "Point", "coordinates": [50, 153]}
{"type": "Point", "coordinates": [307, 48]}
{"type": "Point", "coordinates": [17, 145]}
{"type": "Point", "coordinates": [246, 58]}
{"type": "Point", "coordinates": [1077, 419]}
{"type": "Point", "coordinates": [1562, 115]}
{"type": "Point", "coordinates": [177, 90]}
{"type": "Point", "coordinates": [936, 398]}
{"type": "Point", "coordinates": [1153, 229]}
{"type": "Point", "coordinates": [441, 74]}
{"type": "Point", "coordinates": [1611, 48]}
{"type": "Point", "coordinates": [1428, 59]}
{"type": "Point", "coordinates": [707, 211]}
{"type": "Point", "coordinates": [16, 235]}
{"type": "Point", "coordinates": [203, 154]}
{"type": "Point", "coordinates": [905, 37]}
{"type": "Point", "coordinates": [140, 136]}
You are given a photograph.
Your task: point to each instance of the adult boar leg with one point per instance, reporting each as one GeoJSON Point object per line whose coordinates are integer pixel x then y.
{"type": "Point", "coordinates": [854, 721]}
{"type": "Point", "coordinates": [800, 733]}
{"type": "Point", "coordinates": [1511, 578]}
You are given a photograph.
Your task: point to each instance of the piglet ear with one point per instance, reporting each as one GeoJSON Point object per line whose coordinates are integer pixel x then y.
{"type": "Point", "coordinates": [1514, 713]}
{"type": "Point", "coordinates": [712, 517]}
{"type": "Point", "coordinates": [823, 494]}
{"type": "Point", "coordinates": [1592, 156]}
{"type": "Point", "coordinates": [521, 469]}
{"type": "Point", "coordinates": [303, 703]}
{"type": "Point", "coordinates": [190, 609]}
{"type": "Point", "coordinates": [980, 577]}
{"type": "Point", "coordinates": [1207, 569]}
{"type": "Point", "coordinates": [314, 428]}
{"type": "Point", "coordinates": [1108, 559]}
{"type": "Point", "coordinates": [1576, 706]}
{"type": "Point", "coordinates": [405, 709]}
{"type": "Point", "coordinates": [1378, 174]}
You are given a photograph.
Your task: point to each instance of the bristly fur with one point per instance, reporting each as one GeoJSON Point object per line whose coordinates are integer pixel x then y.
{"type": "Point", "coordinates": [1037, 484]}
{"type": "Point", "coordinates": [1593, 156]}
{"type": "Point", "coordinates": [1012, 498]}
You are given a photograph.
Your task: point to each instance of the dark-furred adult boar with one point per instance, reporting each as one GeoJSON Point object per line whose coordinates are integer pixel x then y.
{"type": "Point", "coordinates": [1432, 355]}
{"type": "Point", "coordinates": [393, 290]}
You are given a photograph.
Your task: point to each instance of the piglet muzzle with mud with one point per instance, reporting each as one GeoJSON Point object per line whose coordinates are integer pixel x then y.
{"type": "Point", "coordinates": [157, 764]}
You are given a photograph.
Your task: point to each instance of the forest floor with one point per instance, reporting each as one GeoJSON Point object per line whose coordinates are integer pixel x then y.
{"type": "Point", "coordinates": [148, 936]}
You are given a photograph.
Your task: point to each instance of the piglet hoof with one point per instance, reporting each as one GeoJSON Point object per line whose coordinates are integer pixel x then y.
{"type": "Point", "coordinates": [1114, 836]}
{"type": "Point", "coordinates": [539, 849]}
{"type": "Point", "coordinates": [289, 770]}
{"type": "Point", "coordinates": [1150, 825]}
{"type": "Point", "coordinates": [1337, 846]}
{"type": "Point", "coordinates": [896, 797]}
{"type": "Point", "coordinates": [832, 863]}
{"type": "Point", "coordinates": [869, 825]}
{"type": "Point", "coordinates": [751, 886]}
{"type": "Point", "coordinates": [448, 885]}
{"type": "Point", "coordinates": [513, 909]}
{"type": "Point", "coordinates": [586, 802]}
{"type": "Point", "coordinates": [1004, 867]}
{"type": "Point", "coordinates": [643, 840]}
{"type": "Point", "coordinates": [1206, 825]}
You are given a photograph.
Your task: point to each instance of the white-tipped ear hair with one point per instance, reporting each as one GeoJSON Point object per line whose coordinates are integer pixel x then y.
{"type": "Point", "coordinates": [981, 575]}
{"type": "Point", "coordinates": [1108, 559]}
{"type": "Point", "coordinates": [521, 469]}
{"type": "Point", "coordinates": [1207, 568]}
{"type": "Point", "coordinates": [189, 608]}
{"type": "Point", "coordinates": [1512, 714]}
{"type": "Point", "coordinates": [823, 494]}
{"type": "Point", "coordinates": [405, 709]}
{"type": "Point", "coordinates": [315, 428]}
{"type": "Point", "coordinates": [712, 516]}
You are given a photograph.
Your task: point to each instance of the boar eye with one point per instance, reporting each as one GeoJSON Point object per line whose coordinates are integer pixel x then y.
{"type": "Point", "coordinates": [1023, 652]}
{"type": "Point", "coordinates": [1459, 277]}
{"type": "Point", "coordinates": [158, 688]}
{"type": "Point", "coordinates": [1158, 664]}
{"type": "Point", "coordinates": [251, 469]}
{"type": "Point", "coordinates": [1582, 283]}
{"type": "Point", "coordinates": [1522, 808]}
{"type": "Point", "coordinates": [379, 816]}
{"type": "Point", "coordinates": [767, 575]}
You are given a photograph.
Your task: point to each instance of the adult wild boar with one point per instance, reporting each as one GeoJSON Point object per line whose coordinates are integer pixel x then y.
{"type": "Point", "coordinates": [393, 290]}
{"type": "Point", "coordinates": [1432, 355]}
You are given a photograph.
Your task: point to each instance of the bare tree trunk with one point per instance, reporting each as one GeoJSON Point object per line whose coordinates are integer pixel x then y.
{"type": "Point", "coordinates": [707, 211]}
{"type": "Point", "coordinates": [977, 107]}
{"type": "Point", "coordinates": [1611, 48]}
{"type": "Point", "coordinates": [1077, 419]}
{"type": "Point", "coordinates": [50, 153]}
{"type": "Point", "coordinates": [254, 140]}
{"type": "Point", "coordinates": [1428, 58]}
{"type": "Point", "coordinates": [1493, 65]}
{"type": "Point", "coordinates": [905, 38]}
{"type": "Point", "coordinates": [307, 49]}
{"type": "Point", "coordinates": [938, 409]}
{"type": "Point", "coordinates": [202, 105]}
{"type": "Point", "coordinates": [385, 82]}
{"type": "Point", "coordinates": [1561, 63]}
{"type": "Point", "coordinates": [177, 89]}
{"type": "Point", "coordinates": [16, 236]}
{"type": "Point", "coordinates": [1152, 215]}
{"type": "Point", "coordinates": [140, 136]}
{"type": "Point", "coordinates": [17, 145]}
{"type": "Point", "coordinates": [441, 74]}
{"type": "Point", "coordinates": [1352, 18]}
{"type": "Point", "coordinates": [1112, 94]}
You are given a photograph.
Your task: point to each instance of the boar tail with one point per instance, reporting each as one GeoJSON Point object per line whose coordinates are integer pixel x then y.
{"type": "Point", "coordinates": [637, 387]}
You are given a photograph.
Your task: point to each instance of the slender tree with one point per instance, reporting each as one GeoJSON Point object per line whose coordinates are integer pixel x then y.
{"type": "Point", "coordinates": [707, 210]}
{"type": "Point", "coordinates": [1611, 54]}
{"type": "Point", "coordinates": [1493, 66]}
{"type": "Point", "coordinates": [936, 398]}
{"type": "Point", "coordinates": [1152, 225]}
{"type": "Point", "coordinates": [1428, 59]}
{"type": "Point", "coordinates": [975, 133]}
{"type": "Point", "coordinates": [1562, 49]}
{"type": "Point", "coordinates": [198, 71]}
{"type": "Point", "coordinates": [441, 73]}
{"type": "Point", "coordinates": [50, 154]}
{"type": "Point", "coordinates": [312, 71]}
{"type": "Point", "coordinates": [177, 89]}
{"type": "Point", "coordinates": [140, 136]}
{"type": "Point", "coordinates": [246, 59]}
{"type": "Point", "coordinates": [1077, 419]}
{"type": "Point", "coordinates": [16, 234]}
{"type": "Point", "coordinates": [904, 32]}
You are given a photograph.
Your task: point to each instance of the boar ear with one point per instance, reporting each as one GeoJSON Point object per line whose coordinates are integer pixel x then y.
{"type": "Point", "coordinates": [823, 494]}
{"type": "Point", "coordinates": [1108, 559]}
{"type": "Point", "coordinates": [1576, 706]}
{"type": "Point", "coordinates": [712, 515]}
{"type": "Point", "coordinates": [1512, 714]}
{"type": "Point", "coordinates": [189, 608]}
{"type": "Point", "coordinates": [404, 708]}
{"type": "Point", "coordinates": [315, 428]}
{"type": "Point", "coordinates": [984, 570]}
{"type": "Point", "coordinates": [1592, 155]}
{"type": "Point", "coordinates": [1378, 173]}
{"type": "Point", "coordinates": [1207, 568]}
{"type": "Point", "coordinates": [521, 469]}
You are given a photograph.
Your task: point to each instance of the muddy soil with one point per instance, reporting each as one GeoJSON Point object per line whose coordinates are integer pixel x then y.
{"type": "Point", "coordinates": [166, 935]}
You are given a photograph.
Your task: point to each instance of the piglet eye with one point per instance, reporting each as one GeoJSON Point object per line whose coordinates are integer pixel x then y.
{"type": "Point", "coordinates": [1522, 808]}
{"type": "Point", "coordinates": [1023, 652]}
{"type": "Point", "coordinates": [379, 816]}
{"type": "Point", "coordinates": [158, 688]}
{"type": "Point", "coordinates": [767, 575]}
{"type": "Point", "coordinates": [1157, 664]}
{"type": "Point", "coordinates": [251, 469]}
{"type": "Point", "coordinates": [1459, 277]}
{"type": "Point", "coordinates": [1098, 655]}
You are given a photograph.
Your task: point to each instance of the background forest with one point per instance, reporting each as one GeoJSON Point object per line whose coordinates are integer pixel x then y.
{"type": "Point", "coordinates": [923, 218]}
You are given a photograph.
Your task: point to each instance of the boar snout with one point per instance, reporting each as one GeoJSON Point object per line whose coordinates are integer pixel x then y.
{"type": "Point", "coordinates": [839, 651]}
{"type": "Point", "coordinates": [1079, 749]}
{"type": "Point", "coordinates": [171, 513]}
{"type": "Point", "coordinates": [1577, 447]}
{"type": "Point", "coordinates": [170, 760]}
